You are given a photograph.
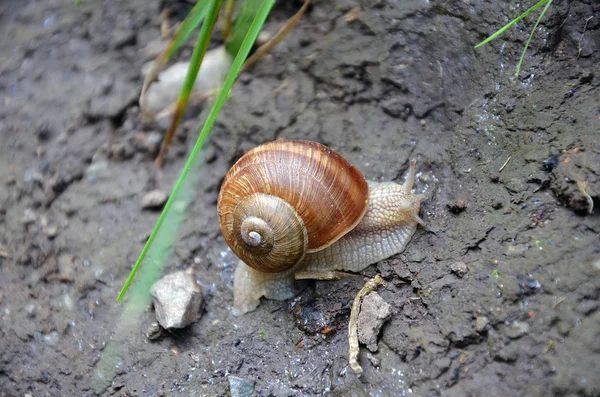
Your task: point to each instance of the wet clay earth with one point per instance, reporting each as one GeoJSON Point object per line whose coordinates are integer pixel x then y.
{"type": "Point", "coordinates": [498, 295]}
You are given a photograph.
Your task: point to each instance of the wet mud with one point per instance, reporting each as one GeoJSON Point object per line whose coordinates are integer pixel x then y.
{"type": "Point", "coordinates": [497, 295]}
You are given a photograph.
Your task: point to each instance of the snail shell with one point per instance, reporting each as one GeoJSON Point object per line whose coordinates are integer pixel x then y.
{"type": "Point", "coordinates": [287, 198]}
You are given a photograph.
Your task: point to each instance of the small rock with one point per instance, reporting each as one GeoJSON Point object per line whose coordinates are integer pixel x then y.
{"type": "Point", "coordinates": [50, 230]}
{"type": "Point", "coordinates": [528, 285]}
{"type": "Point", "coordinates": [240, 387]}
{"type": "Point", "coordinates": [30, 309]}
{"type": "Point", "coordinates": [155, 332]}
{"type": "Point", "coordinates": [497, 205]}
{"type": "Point", "coordinates": [481, 323]}
{"type": "Point", "coordinates": [67, 303]}
{"type": "Point", "coordinates": [32, 177]}
{"type": "Point", "coordinates": [373, 359]}
{"type": "Point", "coordinates": [147, 142]}
{"type": "Point", "coordinates": [52, 338]}
{"type": "Point", "coordinates": [123, 38]}
{"type": "Point", "coordinates": [123, 150]}
{"type": "Point", "coordinates": [457, 207]}
{"type": "Point", "coordinates": [517, 329]}
{"type": "Point", "coordinates": [29, 216]}
{"type": "Point", "coordinates": [263, 37]}
{"type": "Point", "coordinates": [374, 312]}
{"type": "Point", "coordinates": [177, 300]}
{"type": "Point", "coordinates": [96, 171]}
{"type": "Point", "coordinates": [459, 268]}
{"type": "Point", "coordinates": [154, 200]}
{"type": "Point", "coordinates": [586, 77]}
{"type": "Point", "coordinates": [507, 354]}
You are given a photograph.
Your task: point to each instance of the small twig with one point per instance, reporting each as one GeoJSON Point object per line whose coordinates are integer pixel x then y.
{"type": "Point", "coordinates": [164, 23]}
{"type": "Point", "coordinates": [354, 350]}
{"type": "Point", "coordinates": [582, 185]}
{"type": "Point", "coordinates": [581, 38]}
{"type": "Point", "coordinates": [352, 15]}
{"type": "Point", "coordinates": [229, 7]}
{"type": "Point", "coordinates": [195, 98]}
{"type": "Point", "coordinates": [558, 302]}
{"type": "Point", "coordinates": [565, 21]}
{"type": "Point", "coordinates": [268, 46]}
{"type": "Point", "coordinates": [505, 163]}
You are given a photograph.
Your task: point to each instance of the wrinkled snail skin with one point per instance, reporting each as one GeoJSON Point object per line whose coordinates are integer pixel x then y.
{"type": "Point", "coordinates": [386, 228]}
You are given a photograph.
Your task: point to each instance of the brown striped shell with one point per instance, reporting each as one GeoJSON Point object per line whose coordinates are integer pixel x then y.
{"type": "Point", "coordinates": [286, 198]}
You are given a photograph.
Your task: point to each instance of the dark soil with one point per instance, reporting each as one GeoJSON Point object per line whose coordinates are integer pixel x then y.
{"type": "Point", "coordinates": [402, 81]}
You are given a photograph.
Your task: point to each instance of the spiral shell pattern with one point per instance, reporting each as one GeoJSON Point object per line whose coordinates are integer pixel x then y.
{"type": "Point", "coordinates": [324, 198]}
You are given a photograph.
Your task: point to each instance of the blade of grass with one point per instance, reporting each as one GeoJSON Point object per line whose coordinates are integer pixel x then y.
{"type": "Point", "coordinates": [234, 71]}
{"type": "Point", "coordinates": [531, 36]}
{"type": "Point", "coordinates": [199, 51]}
{"type": "Point", "coordinates": [240, 25]}
{"type": "Point", "coordinates": [183, 32]}
{"type": "Point", "coordinates": [511, 23]}
{"type": "Point", "coordinates": [191, 22]}
{"type": "Point", "coordinates": [190, 77]}
{"type": "Point", "coordinates": [116, 352]}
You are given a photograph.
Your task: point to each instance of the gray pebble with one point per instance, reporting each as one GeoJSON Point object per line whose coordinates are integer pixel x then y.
{"type": "Point", "coordinates": [29, 216]}
{"type": "Point", "coordinates": [240, 387]}
{"type": "Point", "coordinates": [481, 323]}
{"type": "Point", "coordinates": [50, 230]}
{"type": "Point", "coordinates": [459, 268]}
{"type": "Point", "coordinates": [177, 300]}
{"type": "Point", "coordinates": [374, 312]}
{"type": "Point", "coordinates": [373, 359]}
{"type": "Point", "coordinates": [155, 332]}
{"type": "Point", "coordinates": [52, 338]}
{"type": "Point", "coordinates": [517, 329]}
{"type": "Point", "coordinates": [154, 200]}
{"type": "Point", "coordinates": [30, 309]}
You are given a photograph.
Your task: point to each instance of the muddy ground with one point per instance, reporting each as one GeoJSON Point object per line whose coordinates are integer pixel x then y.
{"type": "Point", "coordinates": [401, 81]}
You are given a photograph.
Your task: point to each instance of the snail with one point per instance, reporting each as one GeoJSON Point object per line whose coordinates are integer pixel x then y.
{"type": "Point", "coordinates": [292, 207]}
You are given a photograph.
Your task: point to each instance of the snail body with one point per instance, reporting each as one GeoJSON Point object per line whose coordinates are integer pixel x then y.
{"type": "Point", "coordinates": [293, 206]}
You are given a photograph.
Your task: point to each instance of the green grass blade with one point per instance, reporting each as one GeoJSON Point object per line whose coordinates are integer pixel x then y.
{"type": "Point", "coordinates": [116, 350]}
{"type": "Point", "coordinates": [197, 56]}
{"type": "Point", "coordinates": [189, 24]}
{"type": "Point", "coordinates": [232, 75]}
{"type": "Point", "coordinates": [531, 36]}
{"type": "Point", "coordinates": [199, 50]}
{"type": "Point", "coordinates": [511, 23]}
{"type": "Point", "coordinates": [194, 18]}
{"type": "Point", "coordinates": [241, 24]}
{"type": "Point", "coordinates": [190, 77]}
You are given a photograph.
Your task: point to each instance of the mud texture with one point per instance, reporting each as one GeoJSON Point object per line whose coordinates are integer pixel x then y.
{"type": "Point", "coordinates": [399, 81]}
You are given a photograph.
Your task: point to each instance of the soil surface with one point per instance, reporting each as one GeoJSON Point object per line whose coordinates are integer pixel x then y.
{"type": "Point", "coordinates": [498, 295]}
